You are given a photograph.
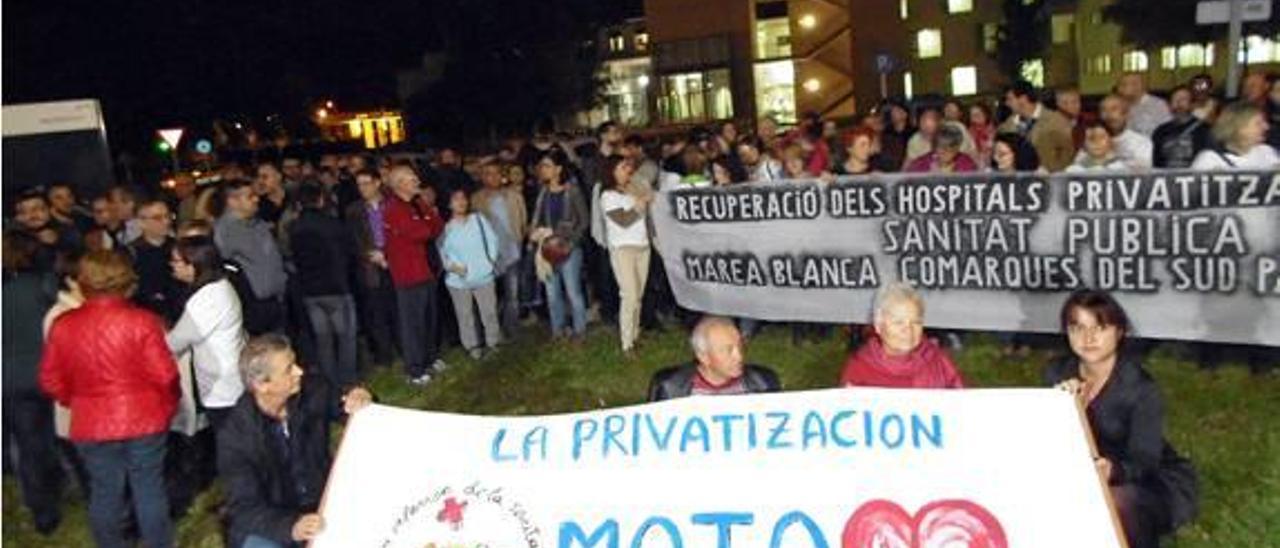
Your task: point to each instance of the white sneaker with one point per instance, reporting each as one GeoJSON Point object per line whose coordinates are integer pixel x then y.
{"type": "Point", "coordinates": [439, 365]}
{"type": "Point", "coordinates": [421, 380]}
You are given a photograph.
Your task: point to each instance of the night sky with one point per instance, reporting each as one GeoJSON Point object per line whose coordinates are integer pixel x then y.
{"type": "Point", "coordinates": [155, 64]}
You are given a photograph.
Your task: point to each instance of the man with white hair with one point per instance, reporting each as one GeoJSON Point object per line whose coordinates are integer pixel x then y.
{"type": "Point", "coordinates": [718, 370]}
{"type": "Point", "coordinates": [273, 449]}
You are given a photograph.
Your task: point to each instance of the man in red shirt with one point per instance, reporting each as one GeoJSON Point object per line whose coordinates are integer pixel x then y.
{"type": "Point", "coordinates": [719, 369]}
{"type": "Point", "coordinates": [412, 224]}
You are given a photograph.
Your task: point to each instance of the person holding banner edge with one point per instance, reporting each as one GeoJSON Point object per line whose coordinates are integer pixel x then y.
{"type": "Point", "coordinates": [1154, 489]}
{"type": "Point", "coordinates": [273, 451]}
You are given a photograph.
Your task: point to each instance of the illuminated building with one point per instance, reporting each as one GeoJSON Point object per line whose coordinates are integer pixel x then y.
{"type": "Point", "coordinates": [373, 129]}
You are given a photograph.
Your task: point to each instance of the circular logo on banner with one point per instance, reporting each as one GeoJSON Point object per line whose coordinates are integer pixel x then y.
{"type": "Point", "coordinates": [477, 515]}
{"type": "Point", "coordinates": [203, 146]}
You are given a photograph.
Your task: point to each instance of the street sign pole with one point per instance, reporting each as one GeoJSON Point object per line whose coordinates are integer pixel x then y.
{"type": "Point", "coordinates": [1235, 27]}
{"type": "Point", "coordinates": [1234, 13]}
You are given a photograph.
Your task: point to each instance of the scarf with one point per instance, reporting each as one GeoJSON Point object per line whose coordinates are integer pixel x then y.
{"type": "Point", "coordinates": [927, 366]}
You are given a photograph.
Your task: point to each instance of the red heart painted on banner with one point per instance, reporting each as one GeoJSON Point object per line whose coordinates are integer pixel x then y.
{"type": "Point", "coordinates": [884, 524]}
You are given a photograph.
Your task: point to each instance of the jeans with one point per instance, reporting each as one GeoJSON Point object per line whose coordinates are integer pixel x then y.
{"type": "Point", "coordinates": [419, 338]}
{"type": "Point", "coordinates": [255, 541]}
{"type": "Point", "coordinates": [508, 286]}
{"type": "Point", "coordinates": [631, 266]}
{"type": "Point", "coordinates": [31, 446]}
{"type": "Point", "coordinates": [566, 277]}
{"type": "Point", "coordinates": [378, 319]}
{"type": "Point", "coordinates": [463, 307]}
{"type": "Point", "coordinates": [333, 319]}
{"type": "Point", "coordinates": [139, 463]}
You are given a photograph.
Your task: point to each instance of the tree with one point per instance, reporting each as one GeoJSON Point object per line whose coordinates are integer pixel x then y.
{"type": "Point", "coordinates": [1155, 23]}
{"type": "Point", "coordinates": [1021, 37]}
{"type": "Point", "coordinates": [509, 64]}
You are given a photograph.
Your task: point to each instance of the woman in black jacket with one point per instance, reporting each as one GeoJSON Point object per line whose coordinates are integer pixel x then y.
{"type": "Point", "coordinates": [1154, 489]}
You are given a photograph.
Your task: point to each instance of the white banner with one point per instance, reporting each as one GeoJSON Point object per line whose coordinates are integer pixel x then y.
{"type": "Point", "coordinates": [1190, 255]}
{"type": "Point", "coordinates": [833, 468]}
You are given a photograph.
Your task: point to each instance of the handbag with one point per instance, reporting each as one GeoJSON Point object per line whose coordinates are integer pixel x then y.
{"type": "Point", "coordinates": [555, 249]}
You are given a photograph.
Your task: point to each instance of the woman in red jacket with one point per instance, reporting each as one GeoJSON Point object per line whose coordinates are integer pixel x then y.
{"type": "Point", "coordinates": [899, 356]}
{"type": "Point", "coordinates": [109, 363]}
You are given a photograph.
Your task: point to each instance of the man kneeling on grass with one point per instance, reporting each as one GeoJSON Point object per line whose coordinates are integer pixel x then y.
{"type": "Point", "coordinates": [273, 450]}
{"type": "Point", "coordinates": [718, 371]}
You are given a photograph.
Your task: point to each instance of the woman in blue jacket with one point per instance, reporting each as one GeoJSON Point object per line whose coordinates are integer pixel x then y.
{"type": "Point", "coordinates": [470, 249]}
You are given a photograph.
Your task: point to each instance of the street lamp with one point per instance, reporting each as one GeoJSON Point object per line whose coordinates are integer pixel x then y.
{"type": "Point", "coordinates": [808, 21]}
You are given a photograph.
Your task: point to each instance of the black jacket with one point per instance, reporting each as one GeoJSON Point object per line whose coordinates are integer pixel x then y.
{"type": "Point", "coordinates": [157, 290]}
{"type": "Point", "coordinates": [322, 249]}
{"type": "Point", "coordinates": [677, 382]}
{"type": "Point", "coordinates": [27, 298]}
{"type": "Point", "coordinates": [368, 275]}
{"type": "Point", "coordinates": [265, 495]}
{"type": "Point", "coordinates": [1176, 142]}
{"type": "Point", "coordinates": [1127, 421]}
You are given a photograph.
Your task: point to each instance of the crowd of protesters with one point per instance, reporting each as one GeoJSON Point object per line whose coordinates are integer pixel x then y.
{"type": "Point", "coordinates": [151, 301]}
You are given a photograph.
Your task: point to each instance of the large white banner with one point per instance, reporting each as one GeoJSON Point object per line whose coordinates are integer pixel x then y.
{"type": "Point", "coordinates": [833, 468]}
{"type": "Point", "coordinates": [1191, 255]}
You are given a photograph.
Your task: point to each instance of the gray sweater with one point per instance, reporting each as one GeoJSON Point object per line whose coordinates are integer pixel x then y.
{"type": "Point", "coordinates": [251, 244]}
{"type": "Point", "coordinates": [576, 220]}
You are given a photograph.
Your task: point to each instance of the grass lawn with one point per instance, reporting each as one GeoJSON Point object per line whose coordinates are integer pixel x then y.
{"type": "Point", "coordinates": [1224, 420]}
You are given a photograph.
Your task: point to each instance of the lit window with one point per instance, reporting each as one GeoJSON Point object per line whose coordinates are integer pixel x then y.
{"type": "Point", "coordinates": [1257, 49]}
{"type": "Point", "coordinates": [642, 41]}
{"type": "Point", "coordinates": [902, 9]}
{"type": "Point", "coordinates": [1062, 25]}
{"type": "Point", "coordinates": [695, 96]}
{"type": "Point", "coordinates": [773, 38]}
{"type": "Point", "coordinates": [1134, 61]}
{"type": "Point", "coordinates": [990, 37]}
{"type": "Point", "coordinates": [617, 43]}
{"type": "Point", "coordinates": [959, 6]}
{"type": "Point", "coordinates": [964, 80]}
{"type": "Point", "coordinates": [776, 90]}
{"type": "Point", "coordinates": [1032, 71]}
{"type": "Point", "coordinates": [1169, 57]}
{"type": "Point", "coordinates": [929, 43]}
{"type": "Point", "coordinates": [1100, 64]}
{"type": "Point", "coordinates": [908, 85]}
{"type": "Point", "coordinates": [1195, 55]}
{"type": "Point", "coordinates": [626, 96]}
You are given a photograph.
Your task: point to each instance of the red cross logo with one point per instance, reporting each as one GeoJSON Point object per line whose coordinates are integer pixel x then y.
{"type": "Point", "coordinates": [452, 513]}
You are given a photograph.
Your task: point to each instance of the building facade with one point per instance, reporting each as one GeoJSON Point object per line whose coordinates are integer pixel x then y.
{"type": "Point", "coordinates": [744, 59]}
